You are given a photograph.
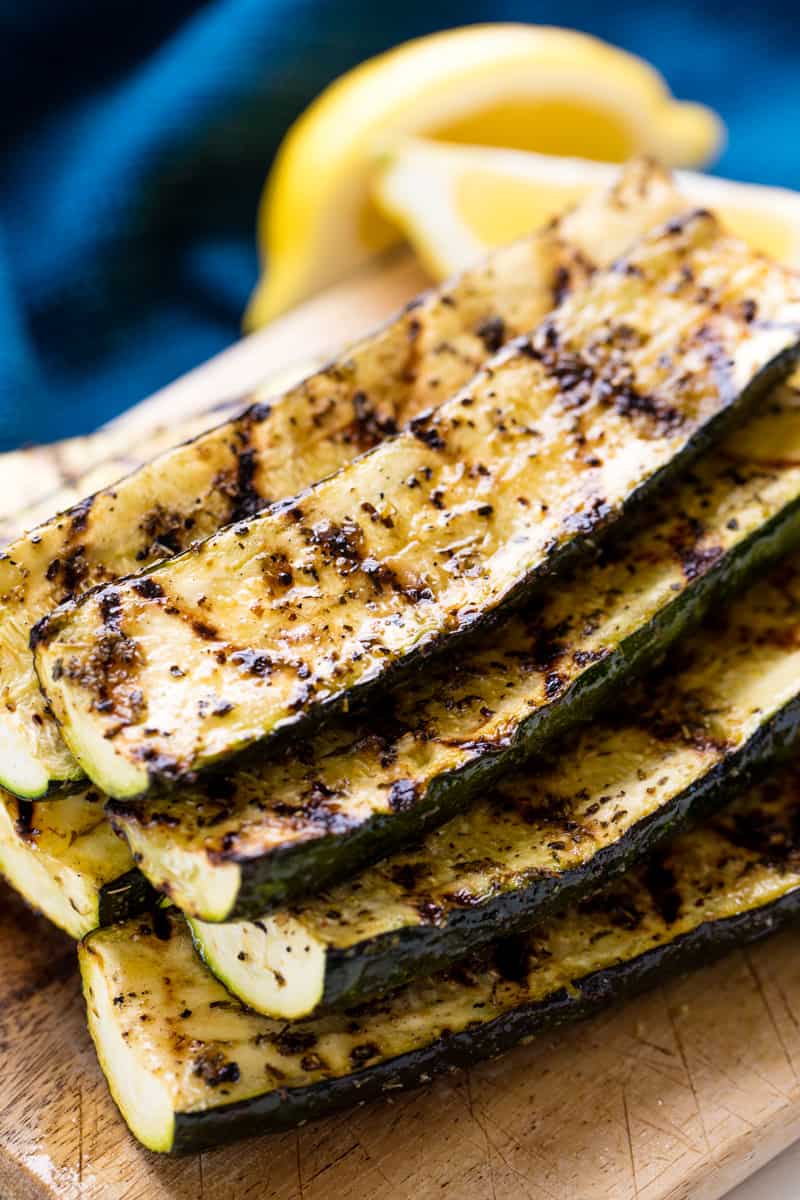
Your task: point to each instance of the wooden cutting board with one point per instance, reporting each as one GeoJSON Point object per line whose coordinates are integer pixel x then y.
{"type": "Point", "coordinates": [676, 1096]}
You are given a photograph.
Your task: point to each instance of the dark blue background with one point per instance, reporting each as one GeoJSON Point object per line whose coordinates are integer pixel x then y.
{"type": "Point", "coordinates": [136, 135]}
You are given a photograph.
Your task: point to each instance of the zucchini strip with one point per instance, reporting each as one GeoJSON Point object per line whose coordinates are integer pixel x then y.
{"type": "Point", "coordinates": [734, 516]}
{"type": "Point", "coordinates": [190, 1068]}
{"type": "Point", "coordinates": [238, 846]}
{"type": "Point", "coordinates": [727, 704]}
{"type": "Point", "coordinates": [43, 480]}
{"type": "Point", "coordinates": [277, 619]}
{"type": "Point", "coordinates": [63, 857]}
{"type": "Point", "coordinates": [274, 449]}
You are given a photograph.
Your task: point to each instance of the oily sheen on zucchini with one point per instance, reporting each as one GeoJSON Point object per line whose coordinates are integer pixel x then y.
{"type": "Point", "coordinates": [239, 845]}
{"type": "Point", "coordinates": [62, 856]}
{"type": "Point", "coordinates": [278, 446]}
{"type": "Point", "coordinates": [725, 705]}
{"type": "Point", "coordinates": [736, 513]}
{"type": "Point", "coordinates": [42, 480]}
{"type": "Point", "coordinates": [272, 621]}
{"type": "Point", "coordinates": [189, 1067]}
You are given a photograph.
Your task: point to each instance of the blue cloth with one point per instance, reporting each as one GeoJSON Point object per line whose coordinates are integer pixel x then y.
{"type": "Point", "coordinates": [136, 135]}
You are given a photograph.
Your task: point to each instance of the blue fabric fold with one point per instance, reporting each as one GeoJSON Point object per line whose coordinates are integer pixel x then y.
{"type": "Point", "coordinates": [136, 137]}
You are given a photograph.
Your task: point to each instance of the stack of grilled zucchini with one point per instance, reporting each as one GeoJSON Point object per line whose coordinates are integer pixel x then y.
{"type": "Point", "coordinates": [349, 735]}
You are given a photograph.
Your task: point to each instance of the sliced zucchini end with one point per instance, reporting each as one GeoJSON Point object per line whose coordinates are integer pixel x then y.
{"type": "Point", "coordinates": [207, 891]}
{"type": "Point", "coordinates": [275, 965]}
{"type": "Point", "coordinates": [20, 772]}
{"type": "Point", "coordinates": [139, 1094]}
{"type": "Point", "coordinates": [107, 769]}
{"type": "Point", "coordinates": [65, 896]}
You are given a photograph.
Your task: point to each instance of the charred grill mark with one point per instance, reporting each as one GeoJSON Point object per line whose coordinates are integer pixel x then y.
{"type": "Point", "coordinates": [574, 266]}
{"type": "Point", "coordinates": [164, 531]}
{"type": "Point", "coordinates": [771, 833]}
{"type": "Point", "coordinates": [409, 875]}
{"type": "Point", "coordinates": [162, 767]}
{"type": "Point", "coordinates": [368, 427]}
{"type": "Point", "coordinates": [204, 630]}
{"type": "Point", "coordinates": [318, 806]}
{"type": "Point", "coordinates": [215, 1069]}
{"type": "Point", "coordinates": [112, 659]}
{"type": "Point", "coordinates": [341, 544]}
{"type": "Point", "coordinates": [246, 500]}
{"type": "Point", "coordinates": [662, 885]}
{"type": "Point", "coordinates": [492, 332]}
{"type": "Point", "coordinates": [149, 588]}
{"type": "Point", "coordinates": [679, 719]}
{"type": "Point", "coordinates": [79, 515]}
{"type": "Point", "coordinates": [290, 1042]}
{"type": "Point", "coordinates": [663, 418]}
{"type": "Point", "coordinates": [600, 372]}
{"type": "Point", "coordinates": [71, 573]}
{"type": "Point", "coordinates": [110, 607]}
{"type": "Point", "coordinates": [424, 429]}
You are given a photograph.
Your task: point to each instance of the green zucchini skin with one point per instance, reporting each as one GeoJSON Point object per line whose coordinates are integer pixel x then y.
{"type": "Point", "coordinates": [212, 1071]}
{"type": "Point", "coordinates": [279, 445]}
{"type": "Point", "coordinates": [395, 958]}
{"type": "Point", "coordinates": [377, 633]}
{"type": "Point", "coordinates": [124, 897]}
{"type": "Point", "coordinates": [280, 1110]}
{"type": "Point", "coordinates": [283, 878]}
{"type": "Point", "coordinates": [717, 714]}
{"type": "Point", "coordinates": [274, 876]}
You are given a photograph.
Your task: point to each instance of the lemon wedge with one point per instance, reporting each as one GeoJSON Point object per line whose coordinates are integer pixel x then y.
{"type": "Point", "coordinates": [453, 203]}
{"type": "Point", "coordinates": [524, 86]}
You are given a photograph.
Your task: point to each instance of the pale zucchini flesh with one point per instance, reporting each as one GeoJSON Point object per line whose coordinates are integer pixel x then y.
{"type": "Point", "coordinates": [39, 853]}
{"type": "Point", "coordinates": [256, 839]}
{"type": "Point", "coordinates": [273, 621]}
{"type": "Point", "coordinates": [190, 1067]}
{"type": "Point", "coordinates": [62, 856]}
{"type": "Point", "coordinates": [724, 707]}
{"type": "Point", "coordinates": [276, 448]}
{"type": "Point", "coordinates": [39, 481]}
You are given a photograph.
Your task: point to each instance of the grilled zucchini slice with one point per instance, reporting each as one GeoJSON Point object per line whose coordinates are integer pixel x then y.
{"type": "Point", "coordinates": [724, 522]}
{"type": "Point", "coordinates": [274, 449]}
{"type": "Point", "coordinates": [189, 1067]}
{"type": "Point", "coordinates": [727, 705]}
{"type": "Point", "coordinates": [295, 612]}
{"type": "Point", "coordinates": [237, 846]}
{"type": "Point", "coordinates": [42, 480]}
{"type": "Point", "coordinates": [63, 857]}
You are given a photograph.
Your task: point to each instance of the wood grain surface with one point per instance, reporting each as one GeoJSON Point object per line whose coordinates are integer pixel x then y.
{"type": "Point", "coordinates": [677, 1096]}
